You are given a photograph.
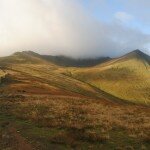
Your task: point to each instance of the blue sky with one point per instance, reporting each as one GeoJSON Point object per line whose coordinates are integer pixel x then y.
{"type": "Point", "coordinates": [77, 28]}
{"type": "Point", "coordinates": [105, 10]}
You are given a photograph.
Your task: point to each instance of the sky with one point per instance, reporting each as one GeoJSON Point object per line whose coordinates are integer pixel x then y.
{"type": "Point", "coordinates": [76, 28]}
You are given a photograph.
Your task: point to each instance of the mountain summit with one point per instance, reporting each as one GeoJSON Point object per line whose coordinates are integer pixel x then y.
{"type": "Point", "coordinates": [138, 54]}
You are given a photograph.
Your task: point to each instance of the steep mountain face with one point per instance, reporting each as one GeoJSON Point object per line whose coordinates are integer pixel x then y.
{"type": "Point", "coordinates": [127, 77]}
{"type": "Point", "coordinates": [137, 54]}
{"type": "Point", "coordinates": [71, 62]}
{"type": "Point", "coordinates": [134, 55]}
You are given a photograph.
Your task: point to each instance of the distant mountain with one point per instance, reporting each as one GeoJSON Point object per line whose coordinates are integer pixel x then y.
{"type": "Point", "coordinates": [21, 58]}
{"type": "Point", "coordinates": [137, 54]}
{"type": "Point", "coordinates": [71, 62]}
{"type": "Point", "coordinates": [32, 57]}
{"type": "Point", "coordinates": [68, 61]}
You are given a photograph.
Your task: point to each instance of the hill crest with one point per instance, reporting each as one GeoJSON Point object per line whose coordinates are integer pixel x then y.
{"type": "Point", "coordinates": [138, 55]}
{"type": "Point", "coordinates": [33, 57]}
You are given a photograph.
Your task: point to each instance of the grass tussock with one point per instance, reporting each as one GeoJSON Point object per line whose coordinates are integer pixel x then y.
{"type": "Point", "coordinates": [83, 120]}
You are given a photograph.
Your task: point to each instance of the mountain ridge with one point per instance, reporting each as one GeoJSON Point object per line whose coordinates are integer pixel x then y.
{"type": "Point", "coordinates": [64, 61]}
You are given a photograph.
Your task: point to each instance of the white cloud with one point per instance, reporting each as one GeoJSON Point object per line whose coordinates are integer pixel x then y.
{"type": "Point", "coordinates": [62, 27]}
{"type": "Point", "coordinates": [123, 17]}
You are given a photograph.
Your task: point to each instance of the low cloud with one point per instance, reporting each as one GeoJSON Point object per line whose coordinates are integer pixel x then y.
{"type": "Point", "coordinates": [64, 27]}
{"type": "Point", "coordinates": [123, 17]}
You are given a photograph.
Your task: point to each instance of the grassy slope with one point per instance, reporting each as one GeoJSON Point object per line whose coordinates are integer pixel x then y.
{"type": "Point", "coordinates": [21, 57]}
{"type": "Point", "coordinates": [1, 73]}
{"type": "Point", "coordinates": [33, 66]}
{"type": "Point", "coordinates": [50, 76]}
{"type": "Point", "coordinates": [127, 78]}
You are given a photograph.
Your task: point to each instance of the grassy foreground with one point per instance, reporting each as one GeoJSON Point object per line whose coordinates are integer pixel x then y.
{"type": "Point", "coordinates": [71, 122]}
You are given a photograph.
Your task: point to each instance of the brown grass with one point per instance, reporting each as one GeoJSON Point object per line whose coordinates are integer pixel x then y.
{"type": "Point", "coordinates": [97, 120]}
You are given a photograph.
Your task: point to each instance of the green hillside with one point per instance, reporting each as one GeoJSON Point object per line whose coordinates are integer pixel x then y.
{"type": "Point", "coordinates": [21, 58]}
{"type": "Point", "coordinates": [32, 65]}
{"type": "Point", "coordinates": [127, 77]}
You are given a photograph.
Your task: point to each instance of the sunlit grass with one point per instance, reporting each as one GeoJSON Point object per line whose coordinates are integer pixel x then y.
{"type": "Point", "coordinates": [128, 80]}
